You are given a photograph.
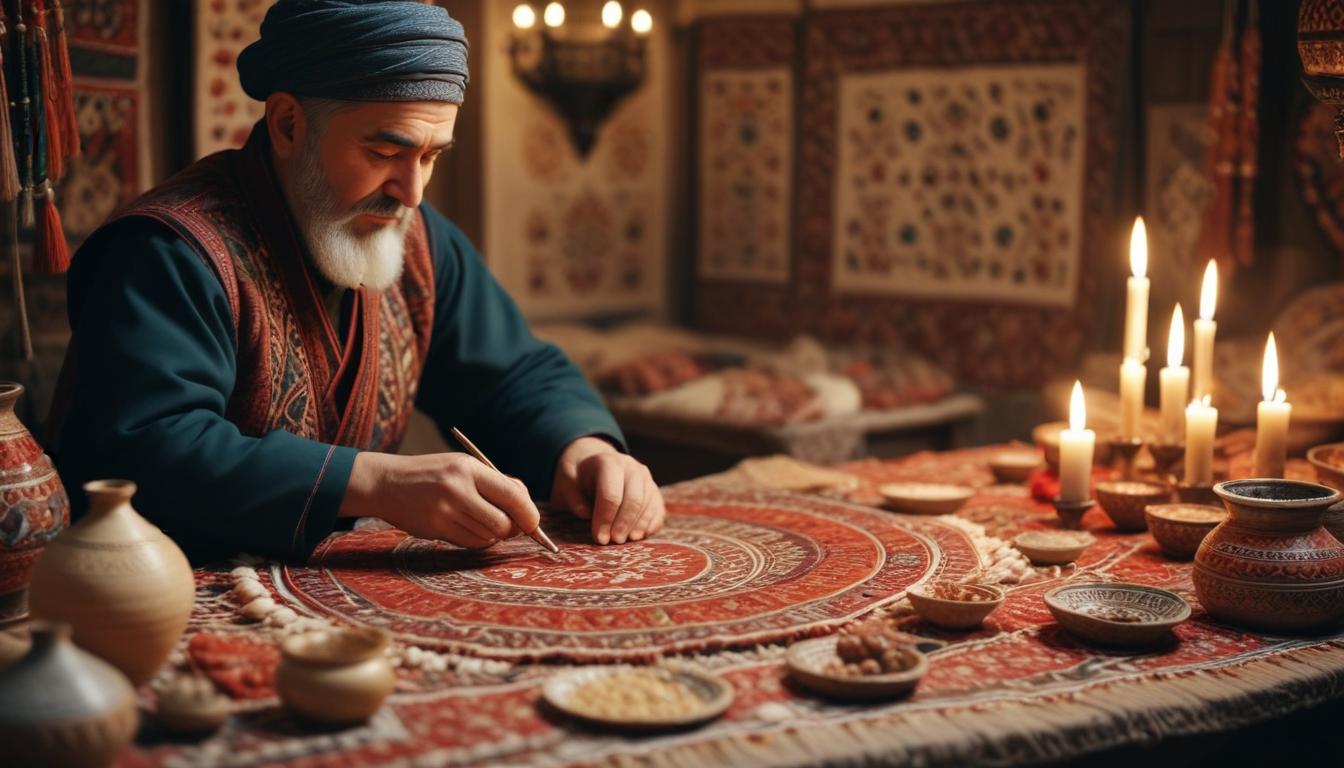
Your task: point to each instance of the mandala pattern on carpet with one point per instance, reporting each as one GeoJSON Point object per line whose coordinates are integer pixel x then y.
{"type": "Point", "coordinates": [730, 570]}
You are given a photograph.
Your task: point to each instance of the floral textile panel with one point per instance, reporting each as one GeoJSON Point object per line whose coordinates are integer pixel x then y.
{"type": "Point", "coordinates": [746, 138]}
{"type": "Point", "coordinates": [962, 183]}
{"type": "Point", "coordinates": [224, 114]}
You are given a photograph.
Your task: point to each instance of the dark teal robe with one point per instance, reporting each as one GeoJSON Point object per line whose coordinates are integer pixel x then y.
{"type": "Point", "coordinates": [155, 349]}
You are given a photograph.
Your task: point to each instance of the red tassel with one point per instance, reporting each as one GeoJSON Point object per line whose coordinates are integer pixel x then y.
{"type": "Point", "coordinates": [51, 254]}
{"type": "Point", "coordinates": [55, 123]}
{"type": "Point", "coordinates": [65, 82]}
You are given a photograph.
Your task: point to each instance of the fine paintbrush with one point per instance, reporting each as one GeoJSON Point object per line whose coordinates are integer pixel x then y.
{"type": "Point", "coordinates": [537, 535]}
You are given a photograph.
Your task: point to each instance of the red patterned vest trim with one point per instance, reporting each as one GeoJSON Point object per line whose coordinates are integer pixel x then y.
{"type": "Point", "coordinates": [230, 209]}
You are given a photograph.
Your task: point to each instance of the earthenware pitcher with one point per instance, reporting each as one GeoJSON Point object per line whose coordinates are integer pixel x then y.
{"type": "Point", "coordinates": [33, 504]}
{"type": "Point", "coordinates": [1271, 564]}
{"type": "Point", "coordinates": [62, 705]}
{"type": "Point", "coordinates": [126, 588]}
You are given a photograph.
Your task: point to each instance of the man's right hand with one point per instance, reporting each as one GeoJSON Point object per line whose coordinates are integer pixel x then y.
{"type": "Point", "coordinates": [447, 496]}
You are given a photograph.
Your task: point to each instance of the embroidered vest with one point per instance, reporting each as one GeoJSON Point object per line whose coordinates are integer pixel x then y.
{"type": "Point", "coordinates": [291, 366]}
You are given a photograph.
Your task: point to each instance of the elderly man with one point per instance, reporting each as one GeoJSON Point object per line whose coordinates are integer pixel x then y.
{"type": "Point", "coordinates": [250, 337]}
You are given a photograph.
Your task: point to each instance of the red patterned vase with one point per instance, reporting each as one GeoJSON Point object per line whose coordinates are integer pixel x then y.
{"type": "Point", "coordinates": [1271, 564]}
{"type": "Point", "coordinates": [33, 504]}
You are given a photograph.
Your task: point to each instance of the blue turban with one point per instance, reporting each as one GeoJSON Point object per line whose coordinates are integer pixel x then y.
{"type": "Point", "coordinates": [357, 50]}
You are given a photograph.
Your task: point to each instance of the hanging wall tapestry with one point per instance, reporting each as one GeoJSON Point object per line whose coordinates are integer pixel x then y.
{"type": "Point", "coordinates": [953, 192]}
{"type": "Point", "coordinates": [568, 235]}
{"type": "Point", "coordinates": [224, 114]}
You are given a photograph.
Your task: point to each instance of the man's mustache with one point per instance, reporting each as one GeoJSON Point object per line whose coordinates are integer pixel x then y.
{"type": "Point", "coordinates": [380, 204]}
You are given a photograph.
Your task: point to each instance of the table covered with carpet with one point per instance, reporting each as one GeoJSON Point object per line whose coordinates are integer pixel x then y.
{"type": "Point", "coordinates": [738, 574]}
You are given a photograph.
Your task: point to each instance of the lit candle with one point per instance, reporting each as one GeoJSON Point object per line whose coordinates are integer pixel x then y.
{"type": "Point", "coordinates": [1075, 452]}
{"type": "Point", "coordinates": [1136, 300]}
{"type": "Point", "coordinates": [1201, 424]}
{"type": "Point", "coordinates": [1175, 382]}
{"type": "Point", "coordinates": [1205, 330]}
{"type": "Point", "coordinates": [1133, 376]}
{"type": "Point", "coordinates": [1271, 419]}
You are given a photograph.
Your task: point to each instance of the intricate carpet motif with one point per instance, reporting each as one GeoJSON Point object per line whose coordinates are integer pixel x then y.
{"type": "Point", "coordinates": [732, 570]}
{"type": "Point", "coordinates": [1018, 690]}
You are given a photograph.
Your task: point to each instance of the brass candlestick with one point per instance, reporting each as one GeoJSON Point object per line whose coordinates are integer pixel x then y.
{"type": "Point", "coordinates": [1071, 512]}
{"type": "Point", "coordinates": [1125, 449]}
{"type": "Point", "coordinates": [1165, 458]}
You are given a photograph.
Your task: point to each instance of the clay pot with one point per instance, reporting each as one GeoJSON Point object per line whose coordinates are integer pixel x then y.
{"type": "Point", "coordinates": [1271, 564]}
{"type": "Point", "coordinates": [1179, 528]}
{"type": "Point", "coordinates": [335, 676]}
{"type": "Point", "coordinates": [33, 505]}
{"type": "Point", "coordinates": [126, 588]}
{"type": "Point", "coordinates": [1125, 500]}
{"type": "Point", "coordinates": [63, 706]}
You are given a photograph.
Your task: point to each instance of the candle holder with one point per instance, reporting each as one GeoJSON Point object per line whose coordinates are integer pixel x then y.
{"type": "Point", "coordinates": [1071, 512]}
{"type": "Point", "coordinates": [1123, 452]}
{"type": "Point", "coordinates": [1197, 493]}
{"type": "Point", "coordinates": [1165, 458]}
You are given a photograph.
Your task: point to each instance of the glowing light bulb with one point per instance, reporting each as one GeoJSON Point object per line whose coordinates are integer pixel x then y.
{"type": "Point", "coordinates": [611, 14]}
{"type": "Point", "coordinates": [641, 22]}
{"type": "Point", "coordinates": [553, 15]}
{"type": "Point", "coordinates": [524, 17]}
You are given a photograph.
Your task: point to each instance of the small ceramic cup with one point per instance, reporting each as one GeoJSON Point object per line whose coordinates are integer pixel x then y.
{"type": "Point", "coordinates": [335, 675]}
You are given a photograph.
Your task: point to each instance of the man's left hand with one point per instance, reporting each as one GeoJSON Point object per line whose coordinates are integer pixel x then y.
{"type": "Point", "coordinates": [618, 493]}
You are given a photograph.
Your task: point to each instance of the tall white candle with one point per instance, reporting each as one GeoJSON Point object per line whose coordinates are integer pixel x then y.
{"type": "Point", "coordinates": [1201, 425]}
{"type": "Point", "coordinates": [1205, 330]}
{"type": "Point", "coordinates": [1271, 419]}
{"type": "Point", "coordinates": [1133, 377]}
{"type": "Point", "coordinates": [1076, 445]}
{"type": "Point", "coordinates": [1175, 381]}
{"type": "Point", "coordinates": [1136, 297]}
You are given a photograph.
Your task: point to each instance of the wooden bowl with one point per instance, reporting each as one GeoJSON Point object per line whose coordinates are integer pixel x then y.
{"type": "Point", "coordinates": [1328, 461]}
{"type": "Point", "coordinates": [1053, 547]}
{"type": "Point", "coordinates": [925, 498]}
{"type": "Point", "coordinates": [1179, 528]}
{"type": "Point", "coordinates": [807, 661]}
{"type": "Point", "coordinates": [712, 693]}
{"type": "Point", "coordinates": [955, 614]}
{"type": "Point", "coordinates": [1014, 466]}
{"type": "Point", "coordinates": [1122, 615]}
{"type": "Point", "coordinates": [1125, 500]}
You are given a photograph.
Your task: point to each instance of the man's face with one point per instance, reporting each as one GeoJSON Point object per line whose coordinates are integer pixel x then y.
{"type": "Point", "coordinates": [358, 177]}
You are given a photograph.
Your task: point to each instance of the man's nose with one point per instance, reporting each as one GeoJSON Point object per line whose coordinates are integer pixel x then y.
{"type": "Point", "coordinates": [407, 185]}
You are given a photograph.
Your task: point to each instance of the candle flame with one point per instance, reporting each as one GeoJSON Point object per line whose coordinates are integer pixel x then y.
{"type": "Point", "coordinates": [1208, 295]}
{"type": "Point", "coordinates": [1269, 378]}
{"type": "Point", "coordinates": [1138, 249]}
{"type": "Point", "coordinates": [1077, 408]}
{"type": "Point", "coordinates": [1280, 396]}
{"type": "Point", "coordinates": [1207, 401]}
{"type": "Point", "coordinates": [1176, 339]}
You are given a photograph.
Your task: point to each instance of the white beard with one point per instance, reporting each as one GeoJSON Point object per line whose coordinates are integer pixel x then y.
{"type": "Point", "coordinates": [344, 257]}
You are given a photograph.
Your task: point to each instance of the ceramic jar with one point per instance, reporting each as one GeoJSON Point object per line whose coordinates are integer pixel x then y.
{"type": "Point", "coordinates": [336, 675]}
{"type": "Point", "coordinates": [125, 587]}
{"type": "Point", "coordinates": [33, 505]}
{"type": "Point", "coordinates": [63, 706]}
{"type": "Point", "coordinates": [1271, 564]}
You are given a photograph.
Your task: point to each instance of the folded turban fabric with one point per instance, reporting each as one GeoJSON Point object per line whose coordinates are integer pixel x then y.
{"type": "Point", "coordinates": [357, 50]}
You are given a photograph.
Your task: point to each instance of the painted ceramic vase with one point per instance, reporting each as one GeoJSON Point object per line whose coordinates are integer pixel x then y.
{"type": "Point", "coordinates": [335, 676]}
{"type": "Point", "coordinates": [125, 587]}
{"type": "Point", "coordinates": [63, 706]}
{"type": "Point", "coordinates": [1271, 564]}
{"type": "Point", "coordinates": [33, 505]}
